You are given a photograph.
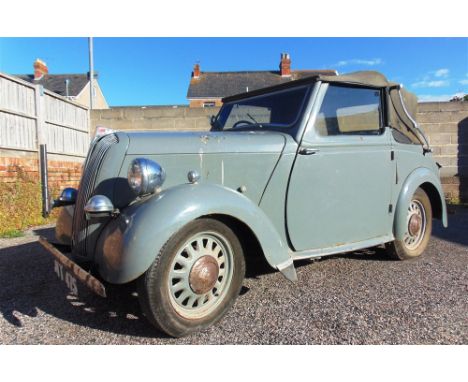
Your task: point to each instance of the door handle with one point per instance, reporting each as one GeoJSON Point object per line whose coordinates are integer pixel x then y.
{"type": "Point", "coordinates": [304, 150]}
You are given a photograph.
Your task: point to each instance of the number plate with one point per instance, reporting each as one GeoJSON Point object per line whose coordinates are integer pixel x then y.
{"type": "Point", "coordinates": [66, 277]}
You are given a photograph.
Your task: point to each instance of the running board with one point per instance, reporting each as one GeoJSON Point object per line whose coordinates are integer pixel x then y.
{"type": "Point", "coordinates": [321, 252]}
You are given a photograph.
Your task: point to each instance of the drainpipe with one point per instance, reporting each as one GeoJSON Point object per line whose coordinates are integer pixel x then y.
{"type": "Point", "coordinates": [91, 73]}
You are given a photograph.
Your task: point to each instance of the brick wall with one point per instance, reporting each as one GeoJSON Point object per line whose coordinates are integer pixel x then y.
{"type": "Point", "coordinates": [201, 102]}
{"type": "Point", "coordinates": [26, 167]}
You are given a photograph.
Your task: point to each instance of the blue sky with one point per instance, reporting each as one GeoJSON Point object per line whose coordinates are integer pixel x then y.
{"type": "Point", "coordinates": [156, 71]}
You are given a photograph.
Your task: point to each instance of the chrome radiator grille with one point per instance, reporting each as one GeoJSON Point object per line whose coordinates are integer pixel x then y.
{"type": "Point", "coordinates": [85, 191]}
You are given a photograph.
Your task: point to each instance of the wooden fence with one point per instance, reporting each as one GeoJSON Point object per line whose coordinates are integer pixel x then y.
{"type": "Point", "coordinates": [31, 116]}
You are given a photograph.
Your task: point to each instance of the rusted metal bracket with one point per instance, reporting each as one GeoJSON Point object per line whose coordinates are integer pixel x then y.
{"type": "Point", "coordinates": [84, 277]}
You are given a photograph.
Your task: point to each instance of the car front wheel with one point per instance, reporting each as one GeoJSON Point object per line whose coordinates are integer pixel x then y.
{"type": "Point", "coordinates": [194, 280]}
{"type": "Point", "coordinates": [418, 229]}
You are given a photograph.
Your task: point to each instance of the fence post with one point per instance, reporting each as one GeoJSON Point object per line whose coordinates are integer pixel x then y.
{"type": "Point", "coordinates": [42, 148]}
{"type": "Point", "coordinates": [39, 101]}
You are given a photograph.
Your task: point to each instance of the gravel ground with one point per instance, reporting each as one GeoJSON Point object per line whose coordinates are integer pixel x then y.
{"type": "Point", "coordinates": [355, 298]}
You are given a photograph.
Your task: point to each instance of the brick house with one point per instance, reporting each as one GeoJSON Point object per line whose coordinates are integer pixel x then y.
{"type": "Point", "coordinates": [72, 86]}
{"type": "Point", "coordinates": [206, 89]}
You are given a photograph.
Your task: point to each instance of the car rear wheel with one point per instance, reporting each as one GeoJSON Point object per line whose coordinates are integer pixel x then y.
{"type": "Point", "coordinates": [194, 280]}
{"type": "Point", "coordinates": [418, 229]}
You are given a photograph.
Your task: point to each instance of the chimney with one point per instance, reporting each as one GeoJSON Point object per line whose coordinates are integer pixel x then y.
{"type": "Point", "coordinates": [67, 87]}
{"type": "Point", "coordinates": [285, 65]}
{"type": "Point", "coordinates": [40, 69]}
{"type": "Point", "coordinates": [196, 71]}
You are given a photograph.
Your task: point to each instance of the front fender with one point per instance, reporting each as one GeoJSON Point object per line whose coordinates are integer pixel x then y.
{"type": "Point", "coordinates": [129, 244]}
{"type": "Point", "coordinates": [413, 181]}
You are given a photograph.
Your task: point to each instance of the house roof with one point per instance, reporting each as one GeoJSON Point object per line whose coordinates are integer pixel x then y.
{"type": "Point", "coordinates": [225, 84]}
{"type": "Point", "coordinates": [56, 82]}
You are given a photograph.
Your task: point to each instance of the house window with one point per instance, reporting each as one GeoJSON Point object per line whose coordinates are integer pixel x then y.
{"type": "Point", "coordinates": [209, 104]}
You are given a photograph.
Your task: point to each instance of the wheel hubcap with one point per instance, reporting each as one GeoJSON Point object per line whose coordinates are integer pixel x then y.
{"type": "Point", "coordinates": [204, 274]}
{"type": "Point", "coordinates": [414, 225]}
{"type": "Point", "coordinates": [416, 221]}
{"type": "Point", "coordinates": [200, 274]}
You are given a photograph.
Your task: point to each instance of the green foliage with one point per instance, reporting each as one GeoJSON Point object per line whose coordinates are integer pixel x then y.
{"type": "Point", "coordinates": [21, 207]}
{"type": "Point", "coordinates": [465, 98]}
{"type": "Point", "coordinates": [12, 233]}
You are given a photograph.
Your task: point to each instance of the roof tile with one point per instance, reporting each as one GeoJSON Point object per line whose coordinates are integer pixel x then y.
{"type": "Point", "coordinates": [226, 84]}
{"type": "Point", "coordinates": [56, 82]}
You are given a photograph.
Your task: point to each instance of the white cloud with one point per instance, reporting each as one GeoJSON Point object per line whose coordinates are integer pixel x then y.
{"type": "Point", "coordinates": [442, 73]}
{"type": "Point", "coordinates": [434, 98]}
{"type": "Point", "coordinates": [437, 98]}
{"type": "Point", "coordinates": [357, 61]}
{"type": "Point", "coordinates": [431, 84]}
{"type": "Point", "coordinates": [464, 82]}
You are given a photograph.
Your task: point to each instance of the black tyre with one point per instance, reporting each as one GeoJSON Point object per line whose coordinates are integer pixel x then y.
{"type": "Point", "coordinates": [418, 232]}
{"type": "Point", "coordinates": [194, 280]}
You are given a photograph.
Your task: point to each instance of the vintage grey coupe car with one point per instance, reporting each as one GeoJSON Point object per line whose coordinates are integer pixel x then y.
{"type": "Point", "coordinates": [311, 168]}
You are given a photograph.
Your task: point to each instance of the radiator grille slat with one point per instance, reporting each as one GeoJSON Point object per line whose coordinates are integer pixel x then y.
{"type": "Point", "coordinates": [87, 185]}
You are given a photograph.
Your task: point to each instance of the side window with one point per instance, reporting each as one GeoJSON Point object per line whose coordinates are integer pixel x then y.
{"type": "Point", "coordinates": [349, 111]}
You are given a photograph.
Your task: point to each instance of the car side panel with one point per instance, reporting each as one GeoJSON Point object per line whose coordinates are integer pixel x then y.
{"type": "Point", "coordinates": [273, 201]}
{"type": "Point", "coordinates": [341, 194]}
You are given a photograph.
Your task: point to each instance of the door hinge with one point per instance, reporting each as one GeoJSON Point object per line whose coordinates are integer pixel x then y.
{"type": "Point", "coordinates": [390, 208]}
{"type": "Point", "coordinates": [392, 155]}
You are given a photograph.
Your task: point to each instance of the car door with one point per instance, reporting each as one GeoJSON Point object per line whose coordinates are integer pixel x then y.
{"type": "Point", "coordinates": [340, 186]}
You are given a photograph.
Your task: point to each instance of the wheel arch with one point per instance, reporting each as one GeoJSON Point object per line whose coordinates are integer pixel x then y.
{"type": "Point", "coordinates": [129, 244]}
{"type": "Point", "coordinates": [253, 250]}
{"type": "Point", "coordinates": [434, 197]}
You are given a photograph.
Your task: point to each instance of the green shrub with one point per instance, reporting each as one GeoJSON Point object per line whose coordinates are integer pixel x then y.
{"type": "Point", "coordinates": [21, 207]}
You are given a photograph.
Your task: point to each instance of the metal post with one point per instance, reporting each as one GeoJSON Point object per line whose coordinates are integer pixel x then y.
{"type": "Point", "coordinates": [91, 73]}
{"type": "Point", "coordinates": [39, 101]}
{"type": "Point", "coordinates": [44, 180]}
{"type": "Point", "coordinates": [42, 148]}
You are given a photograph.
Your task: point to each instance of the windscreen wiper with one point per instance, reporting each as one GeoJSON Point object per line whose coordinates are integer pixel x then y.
{"type": "Point", "coordinates": [252, 118]}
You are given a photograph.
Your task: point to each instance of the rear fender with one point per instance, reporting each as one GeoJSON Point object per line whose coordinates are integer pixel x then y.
{"type": "Point", "coordinates": [419, 177]}
{"type": "Point", "coordinates": [130, 243]}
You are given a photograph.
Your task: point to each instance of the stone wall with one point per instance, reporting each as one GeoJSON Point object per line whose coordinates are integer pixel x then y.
{"type": "Point", "coordinates": [153, 118]}
{"type": "Point", "coordinates": [445, 123]}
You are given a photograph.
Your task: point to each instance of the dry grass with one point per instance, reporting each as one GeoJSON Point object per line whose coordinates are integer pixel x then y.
{"type": "Point", "coordinates": [21, 206]}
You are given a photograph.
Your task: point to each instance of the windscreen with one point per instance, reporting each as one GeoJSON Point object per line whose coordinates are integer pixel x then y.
{"type": "Point", "coordinates": [279, 110]}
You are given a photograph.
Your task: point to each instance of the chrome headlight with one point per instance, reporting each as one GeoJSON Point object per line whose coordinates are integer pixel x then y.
{"type": "Point", "coordinates": [145, 176]}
